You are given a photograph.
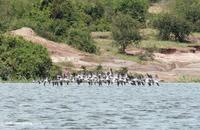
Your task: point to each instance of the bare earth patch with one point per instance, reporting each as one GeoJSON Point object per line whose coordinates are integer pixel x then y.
{"type": "Point", "coordinates": [156, 9]}
{"type": "Point", "coordinates": [59, 52]}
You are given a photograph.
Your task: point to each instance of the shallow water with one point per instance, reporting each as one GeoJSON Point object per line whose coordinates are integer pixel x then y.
{"type": "Point", "coordinates": [34, 107]}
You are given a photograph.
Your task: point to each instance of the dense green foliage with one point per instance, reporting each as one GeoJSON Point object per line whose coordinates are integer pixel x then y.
{"type": "Point", "coordinates": [172, 26]}
{"type": "Point", "coordinates": [136, 8]}
{"type": "Point", "coordinates": [20, 59]}
{"type": "Point", "coordinates": [125, 31]}
{"type": "Point", "coordinates": [188, 9]}
{"type": "Point", "coordinates": [182, 19]}
{"type": "Point", "coordinates": [50, 19]}
{"type": "Point", "coordinates": [54, 18]}
{"type": "Point", "coordinates": [78, 39]}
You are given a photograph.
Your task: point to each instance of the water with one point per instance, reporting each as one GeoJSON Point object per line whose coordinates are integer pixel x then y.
{"type": "Point", "coordinates": [33, 107]}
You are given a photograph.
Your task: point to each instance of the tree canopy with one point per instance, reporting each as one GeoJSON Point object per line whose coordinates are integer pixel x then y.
{"type": "Point", "coordinates": [171, 26]}
{"type": "Point", "coordinates": [138, 9]}
{"type": "Point", "coordinates": [188, 10]}
{"type": "Point", "coordinates": [125, 30]}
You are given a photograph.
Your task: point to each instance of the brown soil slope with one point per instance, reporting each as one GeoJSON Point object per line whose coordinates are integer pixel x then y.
{"type": "Point", "coordinates": [59, 52]}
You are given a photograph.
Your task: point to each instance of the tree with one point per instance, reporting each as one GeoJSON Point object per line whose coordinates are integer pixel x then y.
{"type": "Point", "coordinates": [172, 25]}
{"type": "Point", "coordinates": [138, 9]}
{"type": "Point", "coordinates": [94, 10]}
{"type": "Point", "coordinates": [189, 9]}
{"type": "Point", "coordinates": [64, 9]}
{"type": "Point", "coordinates": [125, 31]}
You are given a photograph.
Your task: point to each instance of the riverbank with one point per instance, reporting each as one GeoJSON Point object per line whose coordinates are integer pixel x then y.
{"type": "Point", "coordinates": [170, 66]}
{"type": "Point", "coordinates": [182, 79]}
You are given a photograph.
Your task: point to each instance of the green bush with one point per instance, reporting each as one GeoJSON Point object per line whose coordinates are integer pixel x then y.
{"type": "Point", "coordinates": [197, 26]}
{"type": "Point", "coordinates": [189, 9]}
{"type": "Point", "coordinates": [2, 27]}
{"type": "Point", "coordinates": [100, 25]}
{"type": "Point", "coordinates": [22, 60]}
{"type": "Point", "coordinates": [169, 24]}
{"type": "Point", "coordinates": [63, 9]}
{"type": "Point", "coordinates": [123, 70]}
{"type": "Point", "coordinates": [95, 10]}
{"type": "Point", "coordinates": [147, 56]}
{"type": "Point", "coordinates": [99, 68]}
{"type": "Point", "coordinates": [54, 71]}
{"type": "Point", "coordinates": [45, 3]}
{"type": "Point", "coordinates": [138, 9]}
{"type": "Point", "coordinates": [82, 40]}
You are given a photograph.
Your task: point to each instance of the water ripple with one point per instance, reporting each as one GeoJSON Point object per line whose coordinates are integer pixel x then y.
{"type": "Point", "coordinates": [31, 107]}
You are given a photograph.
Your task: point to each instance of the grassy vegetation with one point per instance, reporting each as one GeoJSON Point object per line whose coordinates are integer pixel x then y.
{"type": "Point", "coordinates": [158, 44]}
{"type": "Point", "coordinates": [69, 66]}
{"type": "Point", "coordinates": [150, 41]}
{"type": "Point", "coordinates": [108, 49]}
{"type": "Point", "coordinates": [196, 34]}
{"type": "Point", "coordinates": [189, 79]}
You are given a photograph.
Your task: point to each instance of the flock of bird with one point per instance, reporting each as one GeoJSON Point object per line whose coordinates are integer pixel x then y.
{"type": "Point", "coordinates": [102, 79]}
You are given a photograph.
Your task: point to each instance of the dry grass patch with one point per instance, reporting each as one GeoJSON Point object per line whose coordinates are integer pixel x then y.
{"type": "Point", "coordinates": [101, 35]}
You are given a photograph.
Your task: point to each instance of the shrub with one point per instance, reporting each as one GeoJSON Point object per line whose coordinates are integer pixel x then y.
{"type": "Point", "coordinates": [197, 26]}
{"type": "Point", "coordinates": [45, 3]}
{"type": "Point", "coordinates": [64, 9]}
{"type": "Point", "coordinates": [101, 25]}
{"type": "Point", "coordinates": [99, 68]}
{"type": "Point", "coordinates": [95, 10]}
{"type": "Point", "coordinates": [54, 71]}
{"type": "Point", "coordinates": [138, 9]}
{"type": "Point", "coordinates": [169, 24]}
{"type": "Point", "coordinates": [4, 71]}
{"type": "Point", "coordinates": [147, 56]}
{"type": "Point", "coordinates": [82, 40]}
{"type": "Point", "coordinates": [189, 9]}
{"type": "Point", "coordinates": [123, 70]}
{"type": "Point", "coordinates": [3, 26]}
{"type": "Point", "coordinates": [22, 60]}
{"type": "Point", "coordinates": [84, 69]}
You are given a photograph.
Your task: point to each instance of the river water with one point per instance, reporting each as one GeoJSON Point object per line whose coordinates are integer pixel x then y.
{"type": "Point", "coordinates": [34, 107]}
